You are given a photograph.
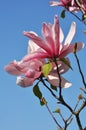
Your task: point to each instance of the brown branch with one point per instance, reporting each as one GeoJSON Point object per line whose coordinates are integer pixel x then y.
{"type": "Point", "coordinates": [79, 122]}
{"type": "Point", "coordinates": [81, 108]}
{"type": "Point", "coordinates": [79, 67]}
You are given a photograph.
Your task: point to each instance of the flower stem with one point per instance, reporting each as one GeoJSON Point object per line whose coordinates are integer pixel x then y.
{"type": "Point", "coordinates": [49, 89]}
{"type": "Point", "coordinates": [60, 88]}
{"type": "Point", "coordinates": [79, 67]}
{"type": "Point", "coordinates": [84, 22]}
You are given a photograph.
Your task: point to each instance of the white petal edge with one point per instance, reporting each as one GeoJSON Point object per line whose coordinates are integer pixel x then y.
{"type": "Point", "coordinates": [71, 34]}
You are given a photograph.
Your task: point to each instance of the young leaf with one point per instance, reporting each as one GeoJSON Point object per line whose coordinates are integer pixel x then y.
{"type": "Point", "coordinates": [37, 91]}
{"type": "Point", "coordinates": [53, 87]}
{"type": "Point", "coordinates": [63, 14]}
{"type": "Point", "coordinates": [66, 62]}
{"type": "Point", "coordinates": [47, 68]}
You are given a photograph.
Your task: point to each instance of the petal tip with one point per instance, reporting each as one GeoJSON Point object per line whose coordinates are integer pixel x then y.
{"type": "Point", "coordinates": [67, 85]}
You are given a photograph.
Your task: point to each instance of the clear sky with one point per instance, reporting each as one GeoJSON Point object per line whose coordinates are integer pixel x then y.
{"type": "Point", "coordinates": [19, 108]}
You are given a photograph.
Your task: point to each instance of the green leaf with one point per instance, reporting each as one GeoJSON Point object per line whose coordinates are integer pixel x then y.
{"type": "Point", "coordinates": [37, 91]}
{"type": "Point", "coordinates": [47, 68]}
{"type": "Point", "coordinates": [63, 14]}
{"type": "Point", "coordinates": [66, 62]}
{"type": "Point", "coordinates": [53, 87]}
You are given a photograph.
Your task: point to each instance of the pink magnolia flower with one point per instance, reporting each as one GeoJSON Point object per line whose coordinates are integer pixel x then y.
{"type": "Point", "coordinates": [51, 44]}
{"type": "Point", "coordinates": [27, 72]}
{"type": "Point", "coordinates": [70, 5]}
{"type": "Point", "coordinates": [29, 68]}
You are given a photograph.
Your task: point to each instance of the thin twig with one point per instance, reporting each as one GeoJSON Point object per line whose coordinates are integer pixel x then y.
{"type": "Point", "coordinates": [61, 100]}
{"type": "Point", "coordinates": [49, 89]}
{"type": "Point", "coordinates": [82, 106]}
{"type": "Point", "coordinates": [53, 116]}
{"type": "Point", "coordinates": [79, 67]}
{"type": "Point", "coordinates": [84, 22]}
{"type": "Point", "coordinates": [66, 105]}
{"type": "Point", "coordinates": [77, 115]}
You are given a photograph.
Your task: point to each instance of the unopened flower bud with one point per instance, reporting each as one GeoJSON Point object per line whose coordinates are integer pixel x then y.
{"type": "Point", "coordinates": [84, 16]}
{"type": "Point", "coordinates": [75, 48]}
{"type": "Point", "coordinates": [80, 97]}
{"type": "Point", "coordinates": [57, 110]}
{"type": "Point", "coordinates": [43, 101]}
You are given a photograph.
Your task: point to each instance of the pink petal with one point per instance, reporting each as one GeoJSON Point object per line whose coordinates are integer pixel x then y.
{"type": "Point", "coordinates": [55, 3]}
{"type": "Point", "coordinates": [47, 33]}
{"type": "Point", "coordinates": [24, 82]}
{"type": "Point", "coordinates": [52, 44]}
{"type": "Point", "coordinates": [56, 35]}
{"type": "Point", "coordinates": [54, 80]}
{"type": "Point", "coordinates": [33, 74]}
{"type": "Point", "coordinates": [63, 67]}
{"type": "Point", "coordinates": [35, 55]}
{"type": "Point", "coordinates": [39, 41]}
{"type": "Point", "coordinates": [46, 30]}
{"type": "Point", "coordinates": [36, 64]}
{"type": "Point", "coordinates": [11, 68]}
{"type": "Point", "coordinates": [72, 2]}
{"type": "Point", "coordinates": [61, 36]}
{"type": "Point", "coordinates": [70, 49]}
{"type": "Point", "coordinates": [32, 46]}
{"type": "Point", "coordinates": [30, 73]}
{"type": "Point", "coordinates": [70, 34]}
{"type": "Point", "coordinates": [73, 9]}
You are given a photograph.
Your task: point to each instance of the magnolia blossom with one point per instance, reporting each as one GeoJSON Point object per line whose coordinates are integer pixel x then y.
{"type": "Point", "coordinates": [51, 45]}
{"type": "Point", "coordinates": [70, 5]}
{"type": "Point", "coordinates": [28, 72]}
{"type": "Point", "coordinates": [82, 4]}
{"type": "Point", "coordinates": [30, 67]}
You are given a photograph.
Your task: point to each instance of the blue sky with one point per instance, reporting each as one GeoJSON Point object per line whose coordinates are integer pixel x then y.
{"type": "Point", "coordinates": [19, 108]}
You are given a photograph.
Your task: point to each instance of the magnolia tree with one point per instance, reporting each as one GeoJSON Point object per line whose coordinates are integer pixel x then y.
{"type": "Point", "coordinates": [47, 60]}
